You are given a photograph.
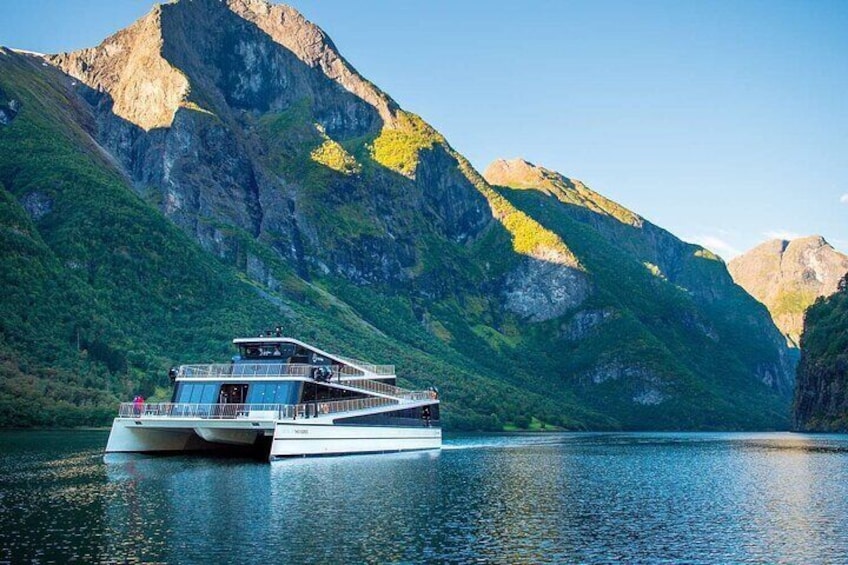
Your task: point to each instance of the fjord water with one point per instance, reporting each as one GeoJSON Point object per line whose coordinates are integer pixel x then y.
{"type": "Point", "coordinates": [556, 498]}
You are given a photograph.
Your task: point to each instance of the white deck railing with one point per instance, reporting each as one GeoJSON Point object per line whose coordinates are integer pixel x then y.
{"type": "Point", "coordinates": [248, 411]}
{"type": "Point", "coordinates": [265, 369]}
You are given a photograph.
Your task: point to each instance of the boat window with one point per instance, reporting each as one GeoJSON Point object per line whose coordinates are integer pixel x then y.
{"type": "Point", "coordinates": [274, 393]}
{"type": "Point", "coordinates": [257, 394]}
{"type": "Point", "coordinates": [196, 392]}
{"type": "Point", "coordinates": [263, 350]}
{"type": "Point", "coordinates": [426, 416]}
{"type": "Point", "coordinates": [184, 392]}
{"type": "Point", "coordinates": [288, 393]}
{"type": "Point", "coordinates": [208, 394]}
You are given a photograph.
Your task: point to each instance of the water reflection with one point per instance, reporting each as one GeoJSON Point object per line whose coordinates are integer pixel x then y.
{"type": "Point", "coordinates": [500, 499]}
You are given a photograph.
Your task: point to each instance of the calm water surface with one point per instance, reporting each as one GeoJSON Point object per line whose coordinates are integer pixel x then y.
{"type": "Point", "coordinates": [563, 498]}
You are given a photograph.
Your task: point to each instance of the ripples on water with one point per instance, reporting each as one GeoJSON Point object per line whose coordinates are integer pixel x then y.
{"type": "Point", "coordinates": [556, 498]}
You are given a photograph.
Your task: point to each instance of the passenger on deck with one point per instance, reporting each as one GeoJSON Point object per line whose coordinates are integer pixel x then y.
{"type": "Point", "coordinates": [138, 404]}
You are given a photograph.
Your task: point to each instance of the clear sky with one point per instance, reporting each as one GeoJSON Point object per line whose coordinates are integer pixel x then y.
{"type": "Point", "coordinates": [725, 122]}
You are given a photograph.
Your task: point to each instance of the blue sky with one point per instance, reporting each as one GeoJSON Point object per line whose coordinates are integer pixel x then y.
{"type": "Point", "coordinates": [724, 122]}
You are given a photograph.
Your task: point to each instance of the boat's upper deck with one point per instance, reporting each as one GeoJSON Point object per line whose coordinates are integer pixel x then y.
{"type": "Point", "coordinates": [288, 351]}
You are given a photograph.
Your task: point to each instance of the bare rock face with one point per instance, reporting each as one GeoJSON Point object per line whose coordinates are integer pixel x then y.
{"type": "Point", "coordinates": [146, 89]}
{"type": "Point", "coordinates": [211, 107]}
{"type": "Point", "coordinates": [644, 387]}
{"type": "Point", "coordinates": [788, 276]}
{"type": "Point", "coordinates": [9, 108]}
{"type": "Point", "coordinates": [540, 290]}
{"type": "Point", "coordinates": [312, 46]}
{"type": "Point", "coordinates": [584, 323]}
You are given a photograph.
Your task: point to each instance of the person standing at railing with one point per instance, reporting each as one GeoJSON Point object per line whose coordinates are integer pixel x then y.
{"type": "Point", "coordinates": [138, 404]}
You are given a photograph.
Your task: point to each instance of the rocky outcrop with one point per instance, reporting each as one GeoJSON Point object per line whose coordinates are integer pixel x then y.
{"type": "Point", "coordinates": [584, 323]}
{"type": "Point", "coordinates": [311, 45]}
{"type": "Point", "coordinates": [145, 89]}
{"type": "Point", "coordinates": [788, 276]}
{"type": "Point", "coordinates": [540, 290]}
{"type": "Point", "coordinates": [821, 392]}
{"type": "Point", "coordinates": [643, 386]}
{"type": "Point", "coordinates": [9, 108]}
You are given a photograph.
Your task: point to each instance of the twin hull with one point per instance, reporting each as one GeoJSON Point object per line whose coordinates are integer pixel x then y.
{"type": "Point", "coordinates": [286, 438]}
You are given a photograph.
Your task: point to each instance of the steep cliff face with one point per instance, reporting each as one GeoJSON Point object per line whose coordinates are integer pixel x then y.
{"type": "Point", "coordinates": [788, 276]}
{"type": "Point", "coordinates": [318, 200]}
{"type": "Point", "coordinates": [821, 394]}
{"type": "Point", "coordinates": [246, 106]}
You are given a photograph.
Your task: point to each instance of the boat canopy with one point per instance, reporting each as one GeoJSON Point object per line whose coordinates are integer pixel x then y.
{"type": "Point", "coordinates": [291, 350]}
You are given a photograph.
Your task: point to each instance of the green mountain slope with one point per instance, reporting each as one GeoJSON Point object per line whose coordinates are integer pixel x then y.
{"type": "Point", "coordinates": [821, 393]}
{"type": "Point", "coordinates": [666, 327]}
{"type": "Point", "coordinates": [218, 167]}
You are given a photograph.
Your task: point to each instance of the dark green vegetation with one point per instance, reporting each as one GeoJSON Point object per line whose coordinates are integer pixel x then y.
{"type": "Point", "coordinates": [357, 227]}
{"type": "Point", "coordinates": [821, 394]}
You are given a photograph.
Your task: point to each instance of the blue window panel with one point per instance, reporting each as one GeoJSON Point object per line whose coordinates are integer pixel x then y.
{"type": "Point", "coordinates": [185, 392]}
{"type": "Point", "coordinates": [256, 394]}
{"type": "Point", "coordinates": [196, 392]}
{"type": "Point", "coordinates": [209, 394]}
{"type": "Point", "coordinates": [271, 394]}
{"type": "Point", "coordinates": [287, 393]}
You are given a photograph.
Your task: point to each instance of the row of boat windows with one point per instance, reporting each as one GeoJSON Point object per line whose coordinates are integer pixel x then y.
{"type": "Point", "coordinates": [427, 416]}
{"type": "Point", "coordinates": [254, 393]}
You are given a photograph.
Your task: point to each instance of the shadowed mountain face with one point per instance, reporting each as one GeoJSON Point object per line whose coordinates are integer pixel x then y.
{"type": "Point", "coordinates": [788, 276]}
{"type": "Point", "coordinates": [821, 394]}
{"type": "Point", "coordinates": [218, 167]}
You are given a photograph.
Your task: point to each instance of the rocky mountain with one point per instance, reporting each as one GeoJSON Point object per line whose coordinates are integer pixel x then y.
{"type": "Point", "coordinates": [788, 276]}
{"type": "Point", "coordinates": [821, 394]}
{"type": "Point", "coordinates": [219, 167]}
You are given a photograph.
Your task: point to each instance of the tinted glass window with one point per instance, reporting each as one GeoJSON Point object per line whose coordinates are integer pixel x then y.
{"type": "Point", "coordinates": [257, 394]}
{"type": "Point", "coordinates": [209, 394]}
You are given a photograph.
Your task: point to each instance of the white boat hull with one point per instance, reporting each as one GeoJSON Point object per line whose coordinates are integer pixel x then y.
{"type": "Point", "coordinates": [304, 440]}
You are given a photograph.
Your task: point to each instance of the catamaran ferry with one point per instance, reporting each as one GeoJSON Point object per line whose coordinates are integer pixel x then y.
{"type": "Point", "coordinates": [282, 397]}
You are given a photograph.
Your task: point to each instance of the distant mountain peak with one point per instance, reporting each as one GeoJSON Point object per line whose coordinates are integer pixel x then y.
{"type": "Point", "coordinates": [788, 275]}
